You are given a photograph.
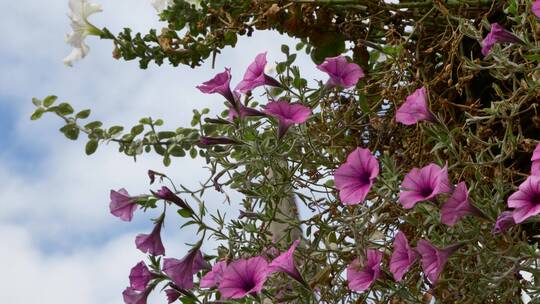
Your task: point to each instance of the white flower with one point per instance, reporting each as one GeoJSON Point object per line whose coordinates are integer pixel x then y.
{"type": "Point", "coordinates": [80, 10]}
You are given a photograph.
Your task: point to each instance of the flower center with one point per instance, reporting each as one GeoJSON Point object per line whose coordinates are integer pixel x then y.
{"type": "Point", "coordinates": [248, 285]}
{"type": "Point", "coordinates": [364, 177]}
{"type": "Point", "coordinates": [426, 191]}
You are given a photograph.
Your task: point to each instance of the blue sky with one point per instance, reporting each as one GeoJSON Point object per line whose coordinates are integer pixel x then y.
{"type": "Point", "coordinates": [54, 215]}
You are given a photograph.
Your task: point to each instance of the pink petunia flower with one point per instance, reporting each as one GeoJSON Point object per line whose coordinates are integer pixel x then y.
{"type": "Point", "coordinates": [526, 200]}
{"type": "Point", "coordinates": [415, 108]}
{"type": "Point", "coordinates": [213, 277]}
{"type": "Point", "coordinates": [287, 114]}
{"type": "Point", "coordinates": [535, 159]}
{"type": "Point", "coordinates": [503, 223]}
{"type": "Point", "coordinates": [132, 296]}
{"type": "Point", "coordinates": [219, 84]}
{"type": "Point", "coordinates": [139, 276]}
{"type": "Point", "coordinates": [122, 205]}
{"type": "Point", "coordinates": [151, 243]}
{"type": "Point", "coordinates": [535, 7]}
{"type": "Point", "coordinates": [172, 295]}
{"type": "Point", "coordinates": [402, 258]}
{"type": "Point", "coordinates": [243, 277]}
{"type": "Point", "coordinates": [360, 279]}
{"type": "Point", "coordinates": [434, 259]}
{"type": "Point", "coordinates": [255, 76]}
{"type": "Point", "coordinates": [181, 271]}
{"type": "Point", "coordinates": [458, 206]}
{"type": "Point", "coordinates": [285, 263]}
{"type": "Point", "coordinates": [498, 35]}
{"type": "Point", "coordinates": [424, 184]}
{"type": "Point", "coordinates": [166, 194]}
{"type": "Point", "coordinates": [342, 73]}
{"type": "Point", "coordinates": [355, 177]}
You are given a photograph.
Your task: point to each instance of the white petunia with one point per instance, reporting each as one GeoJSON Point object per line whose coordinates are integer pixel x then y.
{"type": "Point", "coordinates": [80, 10]}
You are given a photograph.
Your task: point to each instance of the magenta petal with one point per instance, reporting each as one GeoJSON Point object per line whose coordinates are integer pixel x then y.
{"type": "Point", "coordinates": [360, 279]}
{"type": "Point", "coordinates": [181, 271]}
{"type": "Point", "coordinates": [213, 277]}
{"type": "Point", "coordinates": [172, 295]}
{"type": "Point", "coordinates": [139, 276]}
{"type": "Point", "coordinates": [243, 277]}
{"type": "Point", "coordinates": [415, 108]}
{"type": "Point", "coordinates": [151, 243]}
{"type": "Point", "coordinates": [424, 184]}
{"type": "Point", "coordinates": [535, 7]}
{"type": "Point", "coordinates": [219, 84]}
{"type": "Point", "coordinates": [526, 200]}
{"type": "Point", "coordinates": [402, 258]}
{"type": "Point", "coordinates": [503, 223]}
{"type": "Point", "coordinates": [287, 114]}
{"type": "Point", "coordinates": [457, 206]}
{"type": "Point", "coordinates": [342, 73]}
{"type": "Point", "coordinates": [132, 296]}
{"type": "Point", "coordinates": [285, 263]}
{"type": "Point", "coordinates": [355, 177]}
{"type": "Point", "coordinates": [255, 76]}
{"type": "Point", "coordinates": [497, 35]}
{"type": "Point", "coordinates": [122, 205]}
{"type": "Point", "coordinates": [433, 259]}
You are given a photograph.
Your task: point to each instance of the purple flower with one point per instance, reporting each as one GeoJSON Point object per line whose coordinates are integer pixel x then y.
{"type": "Point", "coordinates": [287, 114]}
{"type": "Point", "coordinates": [213, 141]}
{"type": "Point", "coordinates": [423, 184]}
{"type": "Point", "coordinates": [172, 295]}
{"type": "Point", "coordinates": [285, 263]}
{"type": "Point", "coordinates": [503, 223]}
{"type": "Point", "coordinates": [243, 277]}
{"type": "Point", "coordinates": [402, 258]}
{"type": "Point", "coordinates": [243, 112]}
{"type": "Point", "coordinates": [255, 76]}
{"type": "Point", "coordinates": [361, 279]}
{"type": "Point", "coordinates": [526, 200]}
{"type": "Point", "coordinates": [342, 73]}
{"type": "Point", "coordinates": [434, 259]}
{"type": "Point", "coordinates": [535, 7]}
{"type": "Point", "coordinates": [122, 205]}
{"type": "Point", "coordinates": [151, 243]}
{"type": "Point", "coordinates": [213, 277]}
{"type": "Point", "coordinates": [535, 159]}
{"type": "Point", "coordinates": [181, 271]}
{"type": "Point", "coordinates": [140, 276]}
{"type": "Point", "coordinates": [458, 206]}
{"type": "Point", "coordinates": [219, 84]}
{"type": "Point", "coordinates": [166, 194]}
{"type": "Point", "coordinates": [497, 35]}
{"type": "Point", "coordinates": [355, 177]}
{"type": "Point", "coordinates": [132, 296]}
{"type": "Point", "coordinates": [414, 109]}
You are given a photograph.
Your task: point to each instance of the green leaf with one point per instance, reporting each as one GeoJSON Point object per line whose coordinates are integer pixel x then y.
{"type": "Point", "coordinates": [37, 114]}
{"type": "Point", "coordinates": [83, 114]}
{"type": "Point", "coordinates": [115, 129]}
{"type": "Point", "coordinates": [70, 131]}
{"type": "Point", "coordinates": [93, 125]}
{"type": "Point", "coordinates": [285, 49]}
{"type": "Point", "coordinates": [91, 147]}
{"type": "Point", "coordinates": [136, 130]}
{"type": "Point", "coordinates": [49, 100]}
{"type": "Point", "coordinates": [185, 213]}
{"type": "Point", "coordinates": [166, 161]}
{"type": "Point", "coordinates": [166, 134]}
{"type": "Point", "coordinates": [64, 108]}
{"type": "Point", "coordinates": [36, 102]}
